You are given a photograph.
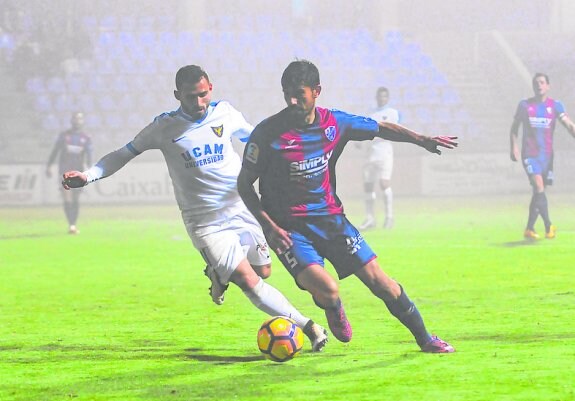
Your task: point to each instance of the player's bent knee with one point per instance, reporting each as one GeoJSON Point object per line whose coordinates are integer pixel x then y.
{"type": "Point", "coordinates": [263, 271]}
{"type": "Point", "coordinates": [320, 285]}
{"type": "Point", "coordinates": [368, 187]}
{"type": "Point", "coordinates": [244, 276]}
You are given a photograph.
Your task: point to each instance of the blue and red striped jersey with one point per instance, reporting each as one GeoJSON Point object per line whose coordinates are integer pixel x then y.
{"type": "Point", "coordinates": [538, 120]}
{"type": "Point", "coordinates": [296, 166]}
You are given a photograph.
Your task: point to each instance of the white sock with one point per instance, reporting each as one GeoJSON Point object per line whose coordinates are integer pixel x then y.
{"type": "Point", "coordinates": [269, 300]}
{"type": "Point", "coordinates": [388, 200]}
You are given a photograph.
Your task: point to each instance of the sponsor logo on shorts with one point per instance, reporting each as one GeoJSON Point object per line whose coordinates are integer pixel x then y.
{"type": "Point", "coordinates": [353, 244]}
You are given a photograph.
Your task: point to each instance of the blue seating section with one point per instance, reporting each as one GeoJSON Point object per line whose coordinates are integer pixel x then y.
{"type": "Point", "coordinates": [129, 78]}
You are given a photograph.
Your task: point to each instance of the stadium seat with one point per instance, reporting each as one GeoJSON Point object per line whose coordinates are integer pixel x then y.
{"type": "Point", "coordinates": [51, 122]}
{"type": "Point", "coordinates": [35, 85]}
{"type": "Point", "coordinates": [97, 83]}
{"type": "Point", "coordinates": [147, 23]}
{"type": "Point", "coordinates": [85, 103]}
{"type": "Point", "coordinates": [114, 120]}
{"type": "Point", "coordinates": [55, 85]}
{"type": "Point", "coordinates": [75, 83]}
{"type": "Point", "coordinates": [64, 103]}
{"type": "Point", "coordinates": [106, 102]}
{"type": "Point", "coordinates": [93, 121]}
{"type": "Point", "coordinates": [128, 23]}
{"type": "Point", "coordinates": [42, 102]}
{"type": "Point", "coordinates": [109, 23]}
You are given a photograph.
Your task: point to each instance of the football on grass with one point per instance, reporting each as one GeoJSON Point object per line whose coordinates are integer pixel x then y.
{"type": "Point", "coordinates": [280, 339]}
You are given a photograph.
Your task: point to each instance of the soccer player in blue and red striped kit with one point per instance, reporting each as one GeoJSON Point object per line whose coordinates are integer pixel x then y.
{"type": "Point", "coordinates": [294, 154]}
{"type": "Point", "coordinates": [73, 148]}
{"type": "Point", "coordinates": [538, 115]}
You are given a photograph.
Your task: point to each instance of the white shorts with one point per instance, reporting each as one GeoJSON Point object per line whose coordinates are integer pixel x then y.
{"type": "Point", "coordinates": [379, 165]}
{"type": "Point", "coordinates": [225, 245]}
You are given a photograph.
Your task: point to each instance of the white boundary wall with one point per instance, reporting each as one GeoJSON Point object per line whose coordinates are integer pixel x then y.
{"type": "Point", "coordinates": [26, 184]}
{"type": "Point", "coordinates": [449, 175]}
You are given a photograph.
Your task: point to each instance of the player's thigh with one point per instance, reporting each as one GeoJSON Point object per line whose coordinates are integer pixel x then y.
{"type": "Point", "coordinates": [371, 173]}
{"type": "Point", "coordinates": [253, 241]}
{"type": "Point", "coordinates": [244, 276]}
{"type": "Point", "coordinates": [300, 255]}
{"type": "Point", "coordinates": [220, 249]}
{"type": "Point", "coordinates": [318, 282]}
{"type": "Point", "coordinates": [68, 196]}
{"type": "Point", "coordinates": [345, 247]}
{"type": "Point", "coordinates": [535, 167]}
{"type": "Point", "coordinates": [386, 164]}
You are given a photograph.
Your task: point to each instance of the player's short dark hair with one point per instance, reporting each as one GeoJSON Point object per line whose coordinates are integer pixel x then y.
{"type": "Point", "coordinates": [540, 74]}
{"type": "Point", "coordinates": [190, 74]}
{"type": "Point", "coordinates": [300, 72]}
{"type": "Point", "coordinates": [382, 89]}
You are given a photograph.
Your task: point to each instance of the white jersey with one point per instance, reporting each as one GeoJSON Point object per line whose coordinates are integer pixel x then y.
{"type": "Point", "coordinates": [379, 147]}
{"type": "Point", "coordinates": [201, 161]}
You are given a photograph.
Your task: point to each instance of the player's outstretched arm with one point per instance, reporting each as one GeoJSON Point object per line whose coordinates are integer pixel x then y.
{"type": "Point", "coordinates": [568, 123]}
{"type": "Point", "coordinates": [399, 133]}
{"type": "Point", "coordinates": [105, 167]}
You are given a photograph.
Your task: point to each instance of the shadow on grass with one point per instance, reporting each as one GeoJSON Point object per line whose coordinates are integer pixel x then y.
{"type": "Point", "coordinates": [515, 244]}
{"type": "Point", "coordinates": [31, 235]}
{"type": "Point", "coordinates": [192, 353]}
{"type": "Point", "coordinates": [519, 337]}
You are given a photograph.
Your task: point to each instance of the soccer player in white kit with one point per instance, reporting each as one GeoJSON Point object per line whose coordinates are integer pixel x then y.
{"type": "Point", "coordinates": [379, 165]}
{"type": "Point", "coordinates": [196, 141]}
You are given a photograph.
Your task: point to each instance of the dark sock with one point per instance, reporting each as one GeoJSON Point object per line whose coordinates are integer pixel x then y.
{"type": "Point", "coordinates": [307, 328]}
{"type": "Point", "coordinates": [69, 213]}
{"type": "Point", "coordinates": [543, 209]}
{"type": "Point", "coordinates": [406, 312]}
{"type": "Point", "coordinates": [533, 213]}
{"type": "Point", "coordinates": [74, 211]}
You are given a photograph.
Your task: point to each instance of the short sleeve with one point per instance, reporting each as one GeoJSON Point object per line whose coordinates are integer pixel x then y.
{"type": "Point", "coordinates": [519, 112]}
{"type": "Point", "coordinates": [148, 138]}
{"type": "Point", "coordinates": [559, 108]}
{"type": "Point", "coordinates": [241, 128]}
{"type": "Point", "coordinates": [357, 128]}
{"type": "Point", "coordinates": [255, 153]}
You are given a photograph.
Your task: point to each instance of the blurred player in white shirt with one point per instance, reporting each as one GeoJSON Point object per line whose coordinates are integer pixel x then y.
{"type": "Point", "coordinates": [196, 141]}
{"type": "Point", "coordinates": [379, 165]}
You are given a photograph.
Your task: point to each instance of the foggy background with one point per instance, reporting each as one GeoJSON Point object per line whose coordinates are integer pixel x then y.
{"type": "Point", "coordinates": [452, 67]}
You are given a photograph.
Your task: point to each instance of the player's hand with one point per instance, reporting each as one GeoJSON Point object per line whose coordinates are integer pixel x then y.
{"type": "Point", "coordinates": [74, 179]}
{"type": "Point", "coordinates": [514, 154]}
{"type": "Point", "coordinates": [278, 239]}
{"type": "Point", "coordinates": [432, 143]}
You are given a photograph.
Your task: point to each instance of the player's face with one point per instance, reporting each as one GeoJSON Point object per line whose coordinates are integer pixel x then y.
{"type": "Point", "coordinates": [382, 98]}
{"type": "Point", "coordinates": [300, 100]}
{"type": "Point", "coordinates": [540, 87]}
{"type": "Point", "coordinates": [77, 120]}
{"type": "Point", "coordinates": [195, 98]}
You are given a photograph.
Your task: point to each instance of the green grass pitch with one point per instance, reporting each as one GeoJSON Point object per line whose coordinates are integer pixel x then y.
{"type": "Point", "coordinates": [122, 312]}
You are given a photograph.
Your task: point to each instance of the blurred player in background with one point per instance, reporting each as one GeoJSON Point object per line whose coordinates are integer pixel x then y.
{"type": "Point", "coordinates": [196, 141]}
{"type": "Point", "coordinates": [294, 155]}
{"type": "Point", "coordinates": [74, 151]}
{"type": "Point", "coordinates": [379, 165]}
{"type": "Point", "coordinates": [538, 115]}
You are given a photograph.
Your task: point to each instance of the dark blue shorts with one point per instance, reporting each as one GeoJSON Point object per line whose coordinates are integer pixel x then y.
{"type": "Point", "coordinates": [540, 165]}
{"type": "Point", "coordinates": [326, 237]}
{"type": "Point", "coordinates": [536, 165]}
